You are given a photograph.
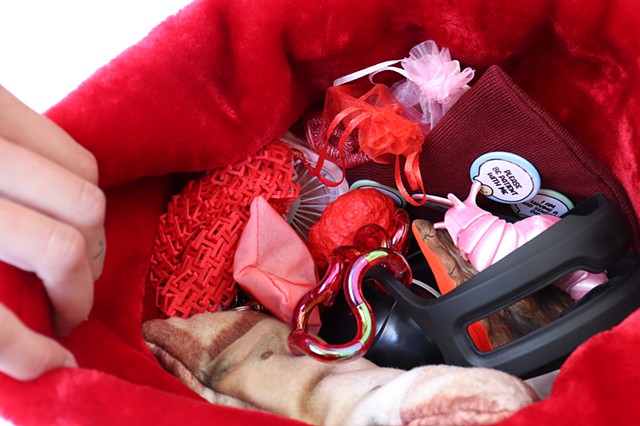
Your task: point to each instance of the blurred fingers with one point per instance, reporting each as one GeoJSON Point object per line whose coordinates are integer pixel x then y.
{"type": "Point", "coordinates": [24, 354]}
{"type": "Point", "coordinates": [56, 252]}
{"type": "Point", "coordinates": [40, 184]}
{"type": "Point", "coordinates": [25, 127]}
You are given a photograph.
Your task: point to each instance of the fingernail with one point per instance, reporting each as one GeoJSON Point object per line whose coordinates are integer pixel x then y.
{"type": "Point", "coordinates": [63, 329]}
{"type": "Point", "coordinates": [63, 326]}
{"type": "Point", "coordinates": [70, 362]}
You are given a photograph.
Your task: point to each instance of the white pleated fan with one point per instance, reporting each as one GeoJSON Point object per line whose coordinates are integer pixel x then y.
{"type": "Point", "coordinates": [314, 195]}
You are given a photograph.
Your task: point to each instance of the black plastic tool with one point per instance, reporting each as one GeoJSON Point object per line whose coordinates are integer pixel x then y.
{"type": "Point", "coordinates": [594, 236]}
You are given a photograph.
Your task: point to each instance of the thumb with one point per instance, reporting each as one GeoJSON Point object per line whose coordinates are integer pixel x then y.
{"type": "Point", "coordinates": [24, 354]}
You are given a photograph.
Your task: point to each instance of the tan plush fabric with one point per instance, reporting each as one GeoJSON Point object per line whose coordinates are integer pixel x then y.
{"type": "Point", "coordinates": [241, 359]}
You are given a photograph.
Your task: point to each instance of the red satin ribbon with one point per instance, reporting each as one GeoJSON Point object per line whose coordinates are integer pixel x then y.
{"type": "Point", "coordinates": [382, 134]}
{"type": "Point", "coordinates": [412, 173]}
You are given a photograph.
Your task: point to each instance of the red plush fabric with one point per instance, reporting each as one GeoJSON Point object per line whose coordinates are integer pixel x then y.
{"type": "Point", "coordinates": [224, 77]}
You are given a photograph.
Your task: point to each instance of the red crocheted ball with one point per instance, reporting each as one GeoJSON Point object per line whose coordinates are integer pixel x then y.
{"type": "Point", "coordinates": [342, 218]}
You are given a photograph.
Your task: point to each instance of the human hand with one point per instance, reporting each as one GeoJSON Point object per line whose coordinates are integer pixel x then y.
{"type": "Point", "coordinates": [51, 223]}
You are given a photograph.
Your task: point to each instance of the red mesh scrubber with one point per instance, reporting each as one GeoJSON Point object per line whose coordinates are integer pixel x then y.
{"type": "Point", "coordinates": [191, 264]}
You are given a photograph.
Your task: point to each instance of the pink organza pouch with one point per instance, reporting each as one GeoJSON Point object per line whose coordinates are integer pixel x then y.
{"type": "Point", "coordinates": [434, 82]}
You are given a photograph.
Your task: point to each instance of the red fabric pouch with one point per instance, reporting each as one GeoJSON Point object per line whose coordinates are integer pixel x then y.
{"type": "Point", "coordinates": [224, 77]}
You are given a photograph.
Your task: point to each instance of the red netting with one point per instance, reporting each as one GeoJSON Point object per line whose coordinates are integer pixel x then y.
{"type": "Point", "coordinates": [191, 264]}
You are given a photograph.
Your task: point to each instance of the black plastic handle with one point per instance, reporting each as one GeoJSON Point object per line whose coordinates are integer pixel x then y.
{"type": "Point", "coordinates": [592, 237]}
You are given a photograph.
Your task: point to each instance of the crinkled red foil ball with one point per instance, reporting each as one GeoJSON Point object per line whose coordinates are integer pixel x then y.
{"type": "Point", "coordinates": [342, 218]}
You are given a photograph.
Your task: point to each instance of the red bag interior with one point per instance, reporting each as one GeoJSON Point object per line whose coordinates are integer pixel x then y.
{"type": "Point", "coordinates": [224, 77]}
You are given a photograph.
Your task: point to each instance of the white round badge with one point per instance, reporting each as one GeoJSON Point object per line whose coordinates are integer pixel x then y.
{"type": "Point", "coordinates": [546, 201]}
{"type": "Point", "coordinates": [506, 177]}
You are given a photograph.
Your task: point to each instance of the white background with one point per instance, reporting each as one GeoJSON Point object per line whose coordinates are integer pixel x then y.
{"type": "Point", "coordinates": [48, 47]}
